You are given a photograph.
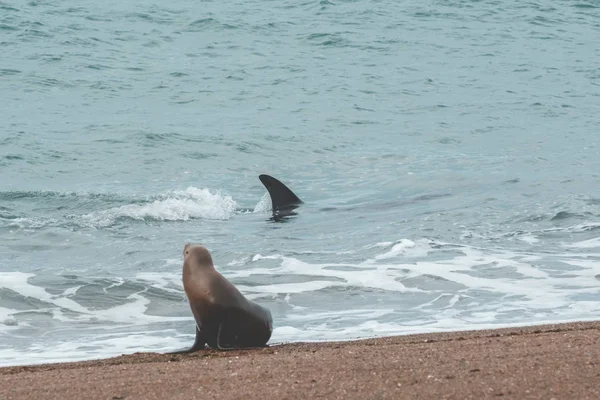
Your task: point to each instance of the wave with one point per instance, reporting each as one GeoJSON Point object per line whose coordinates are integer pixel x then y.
{"type": "Point", "coordinates": [396, 287]}
{"type": "Point", "coordinates": [175, 205]}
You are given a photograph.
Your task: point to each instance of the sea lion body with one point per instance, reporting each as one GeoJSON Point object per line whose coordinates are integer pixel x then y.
{"type": "Point", "coordinates": [225, 319]}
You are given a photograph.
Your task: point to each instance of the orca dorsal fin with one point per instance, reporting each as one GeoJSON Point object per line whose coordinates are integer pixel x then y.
{"type": "Point", "coordinates": [281, 196]}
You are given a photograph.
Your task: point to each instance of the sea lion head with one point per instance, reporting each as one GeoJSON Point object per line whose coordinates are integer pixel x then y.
{"type": "Point", "coordinates": [197, 255]}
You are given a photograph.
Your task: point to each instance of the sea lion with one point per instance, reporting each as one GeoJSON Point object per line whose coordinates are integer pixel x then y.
{"type": "Point", "coordinates": [225, 319]}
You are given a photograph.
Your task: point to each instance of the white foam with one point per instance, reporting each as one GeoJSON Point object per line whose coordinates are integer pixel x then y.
{"type": "Point", "coordinates": [585, 244]}
{"type": "Point", "coordinates": [591, 269]}
{"type": "Point", "coordinates": [259, 257]}
{"type": "Point", "coordinates": [409, 286]}
{"type": "Point", "coordinates": [405, 247]}
{"type": "Point", "coordinates": [162, 281]}
{"type": "Point", "coordinates": [327, 332]}
{"type": "Point", "coordinates": [71, 291]}
{"type": "Point", "coordinates": [28, 223]}
{"type": "Point", "coordinates": [174, 206]}
{"type": "Point", "coordinates": [373, 329]}
{"type": "Point", "coordinates": [264, 204]}
{"type": "Point", "coordinates": [529, 238]}
{"type": "Point", "coordinates": [173, 261]}
{"type": "Point", "coordinates": [583, 227]}
{"type": "Point", "coordinates": [520, 281]}
{"type": "Point", "coordinates": [17, 282]}
{"type": "Point", "coordinates": [238, 262]}
{"type": "Point", "coordinates": [380, 244]}
{"type": "Point", "coordinates": [132, 312]}
{"type": "Point", "coordinates": [288, 288]}
{"type": "Point", "coordinates": [95, 346]}
{"type": "Point", "coordinates": [6, 316]}
{"type": "Point", "coordinates": [359, 314]}
{"type": "Point", "coordinates": [378, 277]}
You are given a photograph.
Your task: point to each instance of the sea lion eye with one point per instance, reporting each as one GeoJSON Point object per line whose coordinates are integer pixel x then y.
{"type": "Point", "coordinates": [187, 252]}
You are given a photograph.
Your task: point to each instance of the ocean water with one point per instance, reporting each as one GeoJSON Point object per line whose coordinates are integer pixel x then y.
{"type": "Point", "coordinates": [447, 152]}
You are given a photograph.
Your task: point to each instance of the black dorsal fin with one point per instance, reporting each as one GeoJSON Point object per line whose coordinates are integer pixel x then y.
{"type": "Point", "coordinates": [281, 196]}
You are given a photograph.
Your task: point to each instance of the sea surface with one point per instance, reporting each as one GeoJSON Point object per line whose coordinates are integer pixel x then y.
{"type": "Point", "coordinates": [447, 152]}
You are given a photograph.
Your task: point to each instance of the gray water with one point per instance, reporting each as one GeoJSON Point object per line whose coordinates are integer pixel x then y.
{"type": "Point", "coordinates": [447, 154]}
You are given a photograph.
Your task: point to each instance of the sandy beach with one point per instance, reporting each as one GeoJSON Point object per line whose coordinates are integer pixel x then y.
{"type": "Point", "coordinates": [539, 362]}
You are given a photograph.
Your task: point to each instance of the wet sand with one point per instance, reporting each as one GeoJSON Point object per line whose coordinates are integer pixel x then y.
{"type": "Point", "coordinates": [539, 362]}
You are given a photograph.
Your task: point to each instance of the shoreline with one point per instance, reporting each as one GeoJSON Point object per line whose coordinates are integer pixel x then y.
{"type": "Point", "coordinates": [511, 327]}
{"type": "Point", "coordinates": [539, 361]}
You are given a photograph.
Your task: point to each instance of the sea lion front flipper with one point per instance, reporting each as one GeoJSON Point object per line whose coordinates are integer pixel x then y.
{"type": "Point", "coordinates": [225, 347]}
{"type": "Point", "coordinates": [235, 345]}
{"type": "Point", "coordinates": [199, 344]}
{"type": "Point", "coordinates": [219, 347]}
